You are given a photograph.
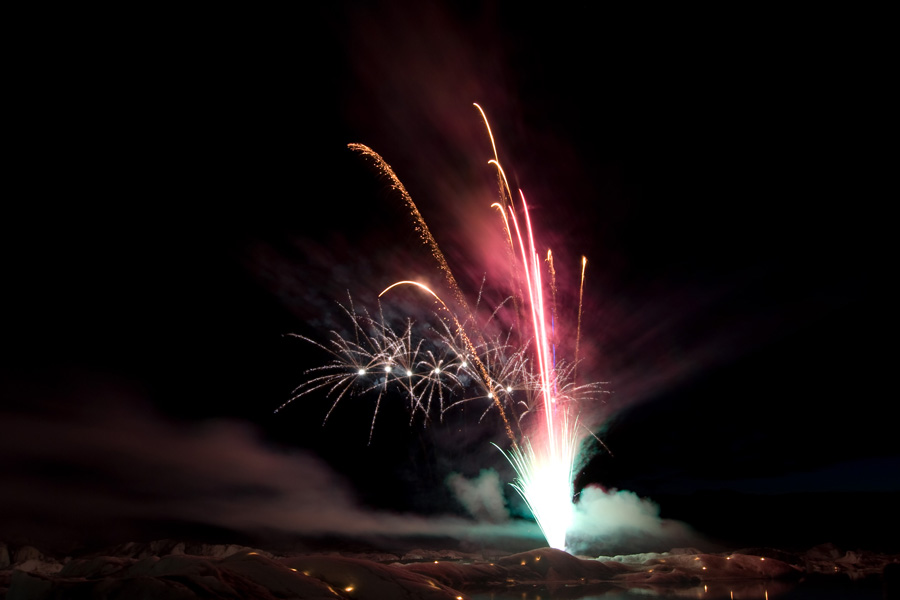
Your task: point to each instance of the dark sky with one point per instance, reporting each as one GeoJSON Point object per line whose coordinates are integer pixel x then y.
{"type": "Point", "coordinates": [185, 198]}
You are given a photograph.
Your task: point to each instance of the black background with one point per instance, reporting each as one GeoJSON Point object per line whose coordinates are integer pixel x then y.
{"type": "Point", "coordinates": [722, 172]}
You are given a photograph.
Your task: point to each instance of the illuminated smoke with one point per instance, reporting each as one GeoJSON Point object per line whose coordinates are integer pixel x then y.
{"type": "Point", "coordinates": [613, 521]}
{"type": "Point", "coordinates": [481, 496]}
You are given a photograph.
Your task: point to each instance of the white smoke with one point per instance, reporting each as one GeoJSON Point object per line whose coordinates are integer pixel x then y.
{"type": "Point", "coordinates": [481, 496]}
{"type": "Point", "coordinates": [619, 521]}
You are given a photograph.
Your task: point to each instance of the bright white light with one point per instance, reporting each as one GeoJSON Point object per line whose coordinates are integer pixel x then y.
{"type": "Point", "coordinates": [508, 388]}
{"type": "Point", "coordinates": [409, 373]}
{"type": "Point", "coordinates": [361, 372]}
{"type": "Point", "coordinates": [437, 370]}
{"type": "Point", "coordinates": [545, 475]}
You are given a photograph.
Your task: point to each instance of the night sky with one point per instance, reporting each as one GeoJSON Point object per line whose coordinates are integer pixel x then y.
{"type": "Point", "coordinates": [185, 198]}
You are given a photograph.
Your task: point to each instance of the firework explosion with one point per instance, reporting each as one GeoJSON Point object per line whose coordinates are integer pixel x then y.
{"type": "Point", "coordinates": [456, 361]}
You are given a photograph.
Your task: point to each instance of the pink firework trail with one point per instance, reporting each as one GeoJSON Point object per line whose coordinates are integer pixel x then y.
{"type": "Point", "coordinates": [544, 460]}
{"type": "Point", "coordinates": [428, 371]}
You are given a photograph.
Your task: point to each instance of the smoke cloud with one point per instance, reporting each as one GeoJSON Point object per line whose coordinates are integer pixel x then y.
{"type": "Point", "coordinates": [482, 496]}
{"type": "Point", "coordinates": [118, 466]}
{"type": "Point", "coordinates": [115, 467]}
{"type": "Point", "coordinates": [619, 521]}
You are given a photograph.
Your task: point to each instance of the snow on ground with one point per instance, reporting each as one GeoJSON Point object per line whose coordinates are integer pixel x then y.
{"type": "Point", "coordinates": [168, 569]}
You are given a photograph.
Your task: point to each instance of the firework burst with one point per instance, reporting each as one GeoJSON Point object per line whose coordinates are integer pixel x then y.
{"type": "Point", "coordinates": [455, 361]}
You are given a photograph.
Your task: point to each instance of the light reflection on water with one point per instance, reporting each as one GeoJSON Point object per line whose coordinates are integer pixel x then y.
{"type": "Point", "coordinates": [716, 590]}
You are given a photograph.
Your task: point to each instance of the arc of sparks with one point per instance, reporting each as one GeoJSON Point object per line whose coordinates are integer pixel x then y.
{"type": "Point", "coordinates": [471, 347]}
{"type": "Point", "coordinates": [488, 125]}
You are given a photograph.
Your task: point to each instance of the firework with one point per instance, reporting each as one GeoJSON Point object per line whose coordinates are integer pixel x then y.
{"type": "Point", "coordinates": [455, 361]}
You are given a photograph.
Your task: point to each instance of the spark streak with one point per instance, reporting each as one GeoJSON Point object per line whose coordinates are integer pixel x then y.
{"type": "Point", "coordinates": [580, 304]}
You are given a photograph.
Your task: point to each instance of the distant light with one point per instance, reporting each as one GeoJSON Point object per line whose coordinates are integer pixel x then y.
{"type": "Point", "coordinates": [387, 368]}
{"type": "Point", "coordinates": [705, 589]}
{"type": "Point", "coordinates": [435, 562]}
{"type": "Point", "coordinates": [465, 364]}
{"type": "Point", "coordinates": [490, 394]}
{"type": "Point", "coordinates": [727, 558]}
{"type": "Point", "coordinates": [437, 370]}
{"type": "Point", "coordinates": [762, 558]}
{"type": "Point", "coordinates": [251, 553]}
{"type": "Point", "coordinates": [293, 569]}
{"type": "Point", "coordinates": [704, 568]}
{"type": "Point", "coordinates": [349, 588]}
{"type": "Point", "coordinates": [361, 372]}
{"type": "Point", "coordinates": [409, 373]}
{"type": "Point", "coordinates": [537, 558]}
{"type": "Point", "coordinates": [523, 563]}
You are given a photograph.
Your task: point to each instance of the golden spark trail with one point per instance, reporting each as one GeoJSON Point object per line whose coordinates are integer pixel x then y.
{"type": "Point", "coordinates": [553, 316]}
{"type": "Point", "coordinates": [488, 125]}
{"type": "Point", "coordinates": [578, 331]}
{"type": "Point", "coordinates": [508, 198]}
{"type": "Point", "coordinates": [421, 227]}
{"type": "Point", "coordinates": [505, 224]}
